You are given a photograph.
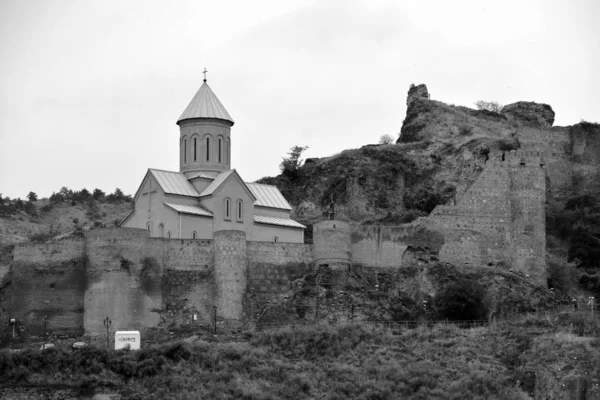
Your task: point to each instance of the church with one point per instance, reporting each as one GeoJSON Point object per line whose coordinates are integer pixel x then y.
{"type": "Point", "coordinates": [206, 195]}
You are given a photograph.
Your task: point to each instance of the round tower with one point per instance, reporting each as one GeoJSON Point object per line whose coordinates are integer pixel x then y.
{"type": "Point", "coordinates": [230, 274]}
{"type": "Point", "coordinates": [205, 135]}
{"type": "Point", "coordinates": [332, 248]}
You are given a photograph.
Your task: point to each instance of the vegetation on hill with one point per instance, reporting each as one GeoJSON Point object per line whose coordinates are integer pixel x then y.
{"type": "Point", "coordinates": [38, 220]}
{"type": "Point", "coordinates": [504, 361]}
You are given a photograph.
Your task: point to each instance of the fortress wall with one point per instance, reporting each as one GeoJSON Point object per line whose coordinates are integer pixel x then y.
{"type": "Point", "coordinates": [230, 267]}
{"type": "Point", "coordinates": [586, 144]}
{"type": "Point", "coordinates": [272, 267]}
{"type": "Point", "coordinates": [48, 280]}
{"type": "Point", "coordinates": [57, 294]}
{"type": "Point", "coordinates": [49, 253]}
{"type": "Point", "coordinates": [384, 246]}
{"type": "Point", "coordinates": [188, 281]}
{"type": "Point", "coordinates": [123, 279]}
{"type": "Point", "coordinates": [528, 223]}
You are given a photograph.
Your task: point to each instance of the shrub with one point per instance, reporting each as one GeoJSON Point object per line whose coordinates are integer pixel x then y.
{"type": "Point", "coordinates": [461, 300]}
{"type": "Point", "coordinates": [290, 165]}
{"type": "Point", "coordinates": [386, 139]}
{"type": "Point", "coordinates": [465, 130]}
{"type": "Point", "coordinates": [489, 105]}
{"type": "Point", "coordinates": [426, 199]}
{"type": "Point", "coordinates": [508, 144]}
{"type": "Point", "coordinates": [561, 277]}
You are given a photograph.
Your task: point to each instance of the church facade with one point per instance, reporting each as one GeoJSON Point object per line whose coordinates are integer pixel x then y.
{"type": "Point", "coordinates": [206, 195]}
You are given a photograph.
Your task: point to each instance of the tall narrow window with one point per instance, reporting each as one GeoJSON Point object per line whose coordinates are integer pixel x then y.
{"type": "Point", "coordinates": [220, 150]}
{"type": "Point", "coordinates": [227, 209]}
{"type": "Point", "coordinates": [194, 235]}
{"type": "Point", "coordinates": [207, 149]}
{"type": "Point", "coordinates": [185, 151]}
{"type": "Point", "coordinates": [239, 210]}
{"type": "Point", "coordinates": [169, 234]}
{"type": "Point", "coordinates": [195, 149]}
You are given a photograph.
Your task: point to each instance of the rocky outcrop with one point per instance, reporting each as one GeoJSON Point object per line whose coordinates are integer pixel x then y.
{"type": "Point", "coordinates": [530, 113]}
{"type": "Point", "coordinates": [415, 92]}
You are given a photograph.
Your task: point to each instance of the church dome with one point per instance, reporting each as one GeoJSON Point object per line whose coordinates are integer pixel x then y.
{"type": "Point", "coordinates": [205, 104]}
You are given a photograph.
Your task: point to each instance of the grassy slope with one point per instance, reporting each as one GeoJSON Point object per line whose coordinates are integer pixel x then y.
{"type": "Point", "coordinates": [507, 361]}
{"type": "Point", "coordinates": [19, 227]}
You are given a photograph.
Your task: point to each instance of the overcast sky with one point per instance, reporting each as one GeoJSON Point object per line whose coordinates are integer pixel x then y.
{"type": "Point", "coordinates": [90, 91]}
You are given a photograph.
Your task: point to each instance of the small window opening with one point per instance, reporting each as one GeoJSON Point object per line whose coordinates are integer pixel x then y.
{"type": "Point", "coordinates": [227, 209]}
{"type": "Point", "coordinates": [169, 234]}
{"type": "Point", "coordinates": [207, 149]}
{"type": "Point", "coordinates": [194, 235]}
{"type": "Point", "coordinates": [185, 151]}
{"type": "Point", "coordinates": [219, 150]}
{"type": "Point", "coordinates": [195, 149]}
{"type": "Point", "coordinates": [239, 210]}
{"type": "Point", "coordinates": [275, 239]}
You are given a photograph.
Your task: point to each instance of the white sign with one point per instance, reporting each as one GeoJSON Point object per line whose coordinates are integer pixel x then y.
{"type": "Point", "coordinates": [127, 340]}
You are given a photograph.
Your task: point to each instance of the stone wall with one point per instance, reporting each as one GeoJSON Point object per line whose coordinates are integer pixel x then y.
{"type": "Point", "coordinates": [500, 219]}
{"type": "Point", "coordinates": [47, 281]}
{"type": "Point", "coordinates": [272, 267]}
{"type": "Point", "coordinates": [385, 246]}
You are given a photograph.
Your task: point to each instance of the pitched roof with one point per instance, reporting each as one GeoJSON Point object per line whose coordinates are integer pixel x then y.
{"type": "Point", "coordinates": [193, 210]}
{"type": "Point", "coordinates": [268, 196]}
{"type": "Point", "coordinates": [216, 183]}
{"type": "Point", "coordinates": [174, 183]}
{"type": "Point", "coordinates": [261, 219]}
{"type": "Point", "coordinates": [205, 104]}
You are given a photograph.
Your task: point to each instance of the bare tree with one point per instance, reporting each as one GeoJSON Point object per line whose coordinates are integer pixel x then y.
{"type": "Point", "coordinates": [489, 105]}
{"type": "Point", "coordinates": [386, 139]}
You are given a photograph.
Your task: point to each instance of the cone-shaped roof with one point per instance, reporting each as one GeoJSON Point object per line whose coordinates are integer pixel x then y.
{"type": "Point", "coordinates": [205, 104]}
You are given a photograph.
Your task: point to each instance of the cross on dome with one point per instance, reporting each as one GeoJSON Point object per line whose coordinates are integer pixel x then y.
{"type": "Point", "coordinates": [204, 72]}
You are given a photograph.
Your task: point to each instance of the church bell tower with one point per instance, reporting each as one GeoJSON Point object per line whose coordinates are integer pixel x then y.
{"type": "Point", "coordinates": [204, 140]}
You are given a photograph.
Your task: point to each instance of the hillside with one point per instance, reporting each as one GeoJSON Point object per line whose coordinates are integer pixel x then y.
{"type": "Point", "coordinates": [441, 151]}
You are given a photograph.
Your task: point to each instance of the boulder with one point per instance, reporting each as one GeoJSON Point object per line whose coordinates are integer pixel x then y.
{"type": "Point", "coordinates": [530, 113]}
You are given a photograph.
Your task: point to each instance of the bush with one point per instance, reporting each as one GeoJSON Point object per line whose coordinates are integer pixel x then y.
{"type": "Point", "coordinates": [386, 139]}
{"type": "Point", "coordinates": [461, 300]}
{"type": "Point", "coordinates": [290, 165]}
{"type": "Point", "coordinates": [489, 105]}
{"type": "Point", "coordinates": [562, 277]}
{"type": "Point", "coordinates": [465, 131]}
{"type": "Point", "coordinates": [426, 199]}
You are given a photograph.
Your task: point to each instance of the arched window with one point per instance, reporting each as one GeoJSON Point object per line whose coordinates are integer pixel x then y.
{"type": "Point", "coordinates": [239, 209]}
{"type": "Point", "coordinates": [194, 235]}
{"type": "Point", "coordinates": [149, 229]}
{"type": "Point", "coordinates": [227, 206]}
{"type": "Point", "coordinates": [195, 149]}
{"type": "Point", "coordinates": [184, 151]}
{"type": "Point", "coordinates": [220, 150]}
{"type": "Point", "coordinates": [161, 230]}
{"type": "Point", "coordinates": [207, 149]}
{"type": "Point", "coordinates": [227, 149]}
{"type": "Point", "coordinates": [169, 234]}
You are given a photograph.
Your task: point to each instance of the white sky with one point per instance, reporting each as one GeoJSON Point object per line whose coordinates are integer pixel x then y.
{"type": "Point", "coordinates": [90, 91]}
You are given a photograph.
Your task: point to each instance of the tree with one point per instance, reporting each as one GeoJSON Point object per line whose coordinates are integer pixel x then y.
{"type": "Point", "coordinates": [290, 165]}
{"type": "Point", "coordinates": [98, 194]}
{"type": "Point", "coordinates": [386, 139]}
{"type": "Point", "coordinates": [32, 196]}
{"type": "Point", "coordinates": [489, 105]}
{"type": "Point", "coordinates": [66, 193]}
